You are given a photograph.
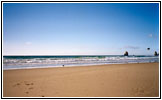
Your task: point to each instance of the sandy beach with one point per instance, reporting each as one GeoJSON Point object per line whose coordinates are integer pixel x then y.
{"type": "Point", "coordinates": [115, 80]}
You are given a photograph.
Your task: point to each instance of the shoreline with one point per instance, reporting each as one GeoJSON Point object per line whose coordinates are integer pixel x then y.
{"type": "Point", "coordinates": [111, 80]}
{"type": "Point", "coordinates": [76, 65]}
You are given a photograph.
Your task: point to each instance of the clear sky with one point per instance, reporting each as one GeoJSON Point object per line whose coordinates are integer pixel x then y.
{"type": "Point", "coordinates": [80, 28]}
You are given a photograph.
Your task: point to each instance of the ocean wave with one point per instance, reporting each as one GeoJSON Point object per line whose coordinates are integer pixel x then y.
{"type": "Point", "coordinates": [26, 62]}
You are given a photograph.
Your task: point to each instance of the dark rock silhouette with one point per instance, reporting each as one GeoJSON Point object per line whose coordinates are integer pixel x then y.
{"type": "Point", "coordinates": [148, 48]}
{"type": "Point", "coordinates": [126, 53]}
{"type": "Point", "coordinates": [156, 54]}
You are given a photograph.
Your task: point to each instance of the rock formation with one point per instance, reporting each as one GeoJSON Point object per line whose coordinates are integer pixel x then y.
{"type": "Point", "coordinates": [156, 54]}
{"type": "Point", "coordinates": [126, 53]}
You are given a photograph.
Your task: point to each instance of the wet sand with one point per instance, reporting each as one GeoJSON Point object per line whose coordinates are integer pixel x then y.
{"type": "Point", "coordinates": [115, 80]}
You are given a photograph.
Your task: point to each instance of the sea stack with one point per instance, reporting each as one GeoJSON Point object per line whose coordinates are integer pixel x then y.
{"type": "Point", "coordinates": [126, 53]}
{"type": "Point", "coordinates": [155, 54]}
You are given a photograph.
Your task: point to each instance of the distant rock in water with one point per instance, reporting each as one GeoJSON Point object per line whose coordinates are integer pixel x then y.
{"type": "Point", "coordinates": [126, 53]}
{"type": "Point", "coordinates": [156, 54]}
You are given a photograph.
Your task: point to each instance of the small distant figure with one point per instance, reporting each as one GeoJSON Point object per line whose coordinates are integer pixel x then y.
{"type": "Point", "coordinates": [62, 65]}
{"type": "Point", "coordinates": [156, 54]}
{"type": "Point", "coordinates": [126, 53]}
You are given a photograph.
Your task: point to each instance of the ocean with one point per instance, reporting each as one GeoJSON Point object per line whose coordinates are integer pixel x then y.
{"type": "Point", "coordinates": [25, 62]}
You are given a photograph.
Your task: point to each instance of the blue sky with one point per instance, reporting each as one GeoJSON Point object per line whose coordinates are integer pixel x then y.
{"type": "Point", "coordinates": [80, 28]}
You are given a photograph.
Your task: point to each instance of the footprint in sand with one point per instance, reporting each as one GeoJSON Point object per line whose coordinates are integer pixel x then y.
{"type": "Point", "coordinates": [139, 90]}
{"type": "Point", "coordinates": [16, 84]}
{"type": "Point", "coordinates": [27, 83]}
{"type": "Point", "coordinates": [31, 88]}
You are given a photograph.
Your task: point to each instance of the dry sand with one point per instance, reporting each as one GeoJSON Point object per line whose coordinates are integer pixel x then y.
{"type": "Point", "coordinates": [116, 80]}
